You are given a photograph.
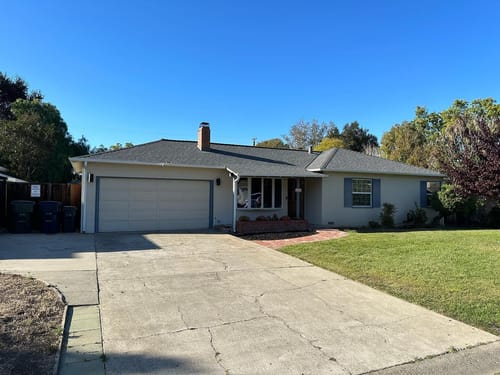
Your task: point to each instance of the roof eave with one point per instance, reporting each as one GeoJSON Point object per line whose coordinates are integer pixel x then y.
{"type": "Point", "coordinates": [78, 163]}
{"type": "Point", "coordinates": [437, 174]}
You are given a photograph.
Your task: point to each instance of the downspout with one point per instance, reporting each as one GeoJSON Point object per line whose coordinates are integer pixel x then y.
{"type": "Point", "coordinates": [83, 203]}
{"type": "Point", "coordinates": [236, 179]}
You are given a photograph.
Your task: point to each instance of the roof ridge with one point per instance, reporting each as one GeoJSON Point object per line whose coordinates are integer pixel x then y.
{"type": "Point", "coordinates": [239, 145]}
{"type": "Point", "coordinates": [121, 149]}
{"type": "Point", "coordinates": [329, 159]}
{"type": "Point", "coordinates": [389, 160]}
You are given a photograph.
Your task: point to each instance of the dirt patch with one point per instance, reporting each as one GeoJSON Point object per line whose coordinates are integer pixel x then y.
{"type": "Point", "coordinates": [30, 325]}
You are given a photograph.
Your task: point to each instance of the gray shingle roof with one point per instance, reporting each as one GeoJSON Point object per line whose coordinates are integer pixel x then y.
{"type": "Point", "coordinates": [255, 161]}
{"type": "Point", "coordinates": [341, 160]}
{"type": "Point", "coordinates": [244, 160]}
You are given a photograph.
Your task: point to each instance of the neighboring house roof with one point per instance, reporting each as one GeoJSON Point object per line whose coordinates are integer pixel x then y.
{"type": "Point", "coordinates": [342, 160]}
{"type": "Point", "coordinates": [251, 160]}
{"type": "Point", "coordinates": [4, 176]}
{"type": "Point", "coordinates": [242, 160]}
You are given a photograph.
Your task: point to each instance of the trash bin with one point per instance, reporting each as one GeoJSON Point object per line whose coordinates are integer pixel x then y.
{"type": "Point", "coordinates": [69, 217]}
{"type": "Point", "coordinates": [49, 216]}
{"type": "Point", "coordinates": [21, 213]}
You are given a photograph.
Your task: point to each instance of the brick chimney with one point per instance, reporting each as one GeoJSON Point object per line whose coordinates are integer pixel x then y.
{"type": "Point", "coordinates": [204, 136]}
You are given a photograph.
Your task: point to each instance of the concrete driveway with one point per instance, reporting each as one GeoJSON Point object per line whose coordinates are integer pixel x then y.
{"type": "Point", "coordinates": [215, 304]}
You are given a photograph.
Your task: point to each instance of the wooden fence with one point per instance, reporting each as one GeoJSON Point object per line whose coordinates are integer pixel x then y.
{"type": "Point", "coordinates": [68, 194]}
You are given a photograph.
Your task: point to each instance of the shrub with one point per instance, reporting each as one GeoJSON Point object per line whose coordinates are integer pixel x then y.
{"type": "Point", "coordinates": [373, 224]}
{"type": "Point", "coordinates": [494, 217]}
{"type": "Point", "coordinates": [243, 218]}
{"type": "Point", "coordinates": [262, 218]}
{"type": "Point", "coordinates": [417, 217]}
{"type": "Point", "coordinates": [285, 218]}
{"type": "Point", "coordinates": [387, 215]}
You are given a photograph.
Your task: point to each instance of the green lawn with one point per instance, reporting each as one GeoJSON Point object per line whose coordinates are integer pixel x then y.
{"type": "Point", "coordinates": [453, 272]}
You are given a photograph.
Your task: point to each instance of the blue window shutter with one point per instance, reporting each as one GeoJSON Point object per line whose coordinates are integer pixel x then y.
{"type": "Point", "coordinates": [376, 193]}
{"type": "Point", "coordinates": [423, 193]}
{"type": "Point", "coordinates": [347, 192]}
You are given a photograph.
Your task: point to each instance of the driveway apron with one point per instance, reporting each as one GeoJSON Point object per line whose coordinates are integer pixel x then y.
{"type": "Point", "coordinates": [216, 304]}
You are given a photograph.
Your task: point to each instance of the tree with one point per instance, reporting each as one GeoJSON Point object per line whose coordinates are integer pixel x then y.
{"type": "Point", "coordinates": [117, 146]}
{"type": "Point", "coordinates": [305, 134]}
{"type": "Point", "coordinates": [10, 91]}
{"type": "Point", "coordinates": [272, 143]}
{"type": "Point", "coordinates": [328, 143]}
{"type": "Point", "coordinates": [35, 144]}
{"type": "Point", "coordinates": [412, 141]}
{"type": "Point", "coordinates": [357, 138]}
{"type": "Point", "coordinates": [468, 152]}
{"type": "Point", "coordinates": [406, 143]}
{"type": "Point", "coordinates": [34, 140]}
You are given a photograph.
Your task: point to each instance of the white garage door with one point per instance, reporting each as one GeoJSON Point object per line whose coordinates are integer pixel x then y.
{"type": "Point", "coordinates": [151, 205]}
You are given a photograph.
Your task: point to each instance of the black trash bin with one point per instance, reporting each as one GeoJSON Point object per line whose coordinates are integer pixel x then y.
{"type": "Point", "coordinates": [50, 216]}
{"type": "Point", "coordinates": [69, 218]}
{"type": "Point", "coordinates": [21, 213]}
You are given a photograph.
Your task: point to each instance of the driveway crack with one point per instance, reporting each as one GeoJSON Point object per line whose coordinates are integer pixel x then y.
{"type": "Point", "coordinates": [311, 342]}
{"type": "Point", "coordinates": [224, 264]}
{"type": "Point", "coordinates": [182, 318]}
{"type": "Point", "coordinates": [217, 354]}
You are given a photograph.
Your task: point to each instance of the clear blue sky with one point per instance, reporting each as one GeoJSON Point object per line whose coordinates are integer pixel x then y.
{"type": "Point", "coordinates": [143, 70]}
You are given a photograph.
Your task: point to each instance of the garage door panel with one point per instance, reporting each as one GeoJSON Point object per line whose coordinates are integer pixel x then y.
{"type": "Point", "coordinates": [142, 208]}
{"type": "Point", "coordinates": [142, 225]}
{"type": "Point", "coordinates": [114, 225]}
{"type": "Point", "coordinates": [149, 204]}
{"type": "Point", "coordinates": [179, 215]}
{"type": "Point", "coordinates": [115, 209]}
{"type": "Point", "coordinates": [143, 196]}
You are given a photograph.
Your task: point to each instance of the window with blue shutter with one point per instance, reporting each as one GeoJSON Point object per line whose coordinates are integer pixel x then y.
{"type": "Point", "coordinates": [427, 189]}
{"type": "Point", "coordinates": [423, 193]}
{"type": "Point", "coordinates": [347, 192]}
{"type": "Point", "coordinates": [376, 193]}
{"type": "Point", "coordinates": [361, 192]}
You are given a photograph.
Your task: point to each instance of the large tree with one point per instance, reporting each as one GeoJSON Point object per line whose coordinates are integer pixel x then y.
{"type": "Point", "coordinates": [356, 138]}
{"type": "Point", "coordinates": [328, 143]}
{"type": "Point", "coordinates": [304, 134]}
{"type": "Point", "coordinates": [406, 143]}
{"type": "Point", "coordinates": [468, 152]}
{"type": "Point", "coordinates": [12, 89]}
{"type": "Point", "coordinates": [34, 140]}
{"type": "Point", "coordinates": [272, 143]}
{"type": "Point", "coordinates": [35, 144]}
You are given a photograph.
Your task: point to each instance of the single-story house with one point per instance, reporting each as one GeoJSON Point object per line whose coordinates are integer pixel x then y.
{"type": "Point", "coordinates": [176, 185]}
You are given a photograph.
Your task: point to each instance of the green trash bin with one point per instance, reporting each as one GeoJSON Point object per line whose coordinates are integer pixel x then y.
{"type": "Point", "coordinates": [21, 216]}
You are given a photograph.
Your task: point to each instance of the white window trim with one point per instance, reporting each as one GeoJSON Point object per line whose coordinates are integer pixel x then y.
{"type": "Point", "coordinates": [273, 192]}
{"type": "Point", "coordinates": [362, 193]}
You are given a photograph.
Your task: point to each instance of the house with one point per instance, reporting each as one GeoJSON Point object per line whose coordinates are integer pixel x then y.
{"type": "Point", "coordinates": [176, 185]}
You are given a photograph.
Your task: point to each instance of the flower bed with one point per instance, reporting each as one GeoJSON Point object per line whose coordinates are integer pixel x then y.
{"type": "Point", "coordinates": [271, 226]}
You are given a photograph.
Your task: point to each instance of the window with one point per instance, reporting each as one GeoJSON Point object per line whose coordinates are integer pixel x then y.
{"type": "Point", "coordinates": [427, 190]}
{"type": "Point", "coordinates": [361, 192]}
{"type": "Point", "coordinates": [259, 193]}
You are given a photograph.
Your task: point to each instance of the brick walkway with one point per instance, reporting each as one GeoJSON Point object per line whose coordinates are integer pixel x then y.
{"type": "Point", "coordinates": [320, 235]}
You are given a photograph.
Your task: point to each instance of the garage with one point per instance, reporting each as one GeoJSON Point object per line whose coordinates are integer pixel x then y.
{"type": "Point", "coordinates": [134, 204]}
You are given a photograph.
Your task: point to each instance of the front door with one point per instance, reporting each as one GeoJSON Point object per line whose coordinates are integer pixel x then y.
{"type": "Point", "coordinates": [296, 198]}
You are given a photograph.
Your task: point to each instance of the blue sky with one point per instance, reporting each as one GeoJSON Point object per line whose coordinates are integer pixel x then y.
{"type": "Point", "coordinates": [137, 71]}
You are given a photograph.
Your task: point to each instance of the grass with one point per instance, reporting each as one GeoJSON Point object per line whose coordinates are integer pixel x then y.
{"type": "Point", "coordinates": [455, 272]}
